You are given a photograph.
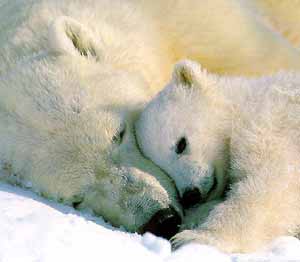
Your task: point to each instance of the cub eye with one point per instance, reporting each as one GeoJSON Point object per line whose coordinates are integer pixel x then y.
{"type": "Point", "coordinates": [118, 138]}
{"type": "Point", "coordinates": [181, 146]}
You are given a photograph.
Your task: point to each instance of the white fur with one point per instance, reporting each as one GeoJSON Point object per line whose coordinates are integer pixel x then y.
{"type": "Point", "coordinates": [168, 30]}
{"type": "Point", "coordinates": [246, 129]}
{"type": "Point", "coordinates": [74, 73]}
{"type": "Point", "coordinates": [69, 85]}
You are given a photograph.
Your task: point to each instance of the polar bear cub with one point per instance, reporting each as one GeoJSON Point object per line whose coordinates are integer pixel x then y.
{"type": "Point", "coordinates": [208, 131]}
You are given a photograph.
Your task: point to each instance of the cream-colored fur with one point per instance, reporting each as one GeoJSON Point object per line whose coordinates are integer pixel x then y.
{"type": "Point", "coordinates": [282, 16]}
{"type": "Point", "coordinates": [72, 83]}
{"type": "Point", "coordinates": [75, 73]}
{"type": "Point", "coordinates": [168, 30]}
{"type": "Point", "coordinates": [228, 37]}
{"type": "Point", "coordinates": [257, 122]}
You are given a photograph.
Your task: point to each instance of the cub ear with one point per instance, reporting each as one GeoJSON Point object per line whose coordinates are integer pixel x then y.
{"type": "Point", "coordinates": [67, 36]}
{"type": "Point", "coordinates": [187, 73]}
{"type": "Point", "coordinates": [190, 75]}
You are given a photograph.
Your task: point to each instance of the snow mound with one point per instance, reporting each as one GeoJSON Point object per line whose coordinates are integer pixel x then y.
{"type": "Point", "coordinates": [33, 229]}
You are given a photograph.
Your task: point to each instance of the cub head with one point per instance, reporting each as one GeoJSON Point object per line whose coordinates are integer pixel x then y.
{"type": "Point", "coordinates": [184, 131]}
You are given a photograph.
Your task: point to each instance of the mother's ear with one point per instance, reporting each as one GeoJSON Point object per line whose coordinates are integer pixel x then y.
{"type": "Point", "coordinates": [189, 74]}
{"type": "Point", "coordinates": [67, 36]}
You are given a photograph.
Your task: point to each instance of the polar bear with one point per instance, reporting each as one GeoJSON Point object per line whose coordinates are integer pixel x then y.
{"type": "Point", "coordinates": [214, 131]}
{"type": "Point", "coordinates": [67, 108]}
{"type": "Point", "coordinates": [74, 75]}
{"type": "Point", "coordinates": [169, 31]}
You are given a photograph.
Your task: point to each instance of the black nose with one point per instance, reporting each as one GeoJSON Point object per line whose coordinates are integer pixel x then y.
{"type": "Point", "coordinates": [191, 197]}
{"type": "Point", "coordinates": [165, 223]}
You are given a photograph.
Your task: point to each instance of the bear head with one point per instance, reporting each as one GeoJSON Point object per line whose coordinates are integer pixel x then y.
{"type": "Point", "coordinates": [183, 131]}
{"type": "Point", "coordinates": [67, 119]}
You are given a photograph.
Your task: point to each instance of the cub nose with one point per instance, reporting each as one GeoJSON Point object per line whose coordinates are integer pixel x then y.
{"type": "Point", "coordinates": [165, 223]}
{"type": "Point", "coordinates": [191, 197]}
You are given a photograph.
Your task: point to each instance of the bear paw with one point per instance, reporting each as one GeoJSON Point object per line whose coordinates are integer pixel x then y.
{"type": "Point", "coordinates": [191, 236]}
{"type": "Point", "coordinates": [207, 237]}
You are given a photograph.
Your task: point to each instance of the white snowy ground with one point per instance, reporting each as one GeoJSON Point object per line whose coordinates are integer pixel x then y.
{"type": "Point", "coordinates": [33, 229]}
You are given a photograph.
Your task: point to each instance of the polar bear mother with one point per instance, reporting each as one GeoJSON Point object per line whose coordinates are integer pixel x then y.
{"type": "Point", "coordinates": [67, 107]}
{"type": "Point", "coordinates": [74, 75]}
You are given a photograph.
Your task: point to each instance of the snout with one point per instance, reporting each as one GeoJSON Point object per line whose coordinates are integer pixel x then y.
{"type": "Point", "coordinates": [191, 197]}
{"type": "Point", "coordinates": [165, 223]}
{"type": "Point", "coordinates": [194, 196]}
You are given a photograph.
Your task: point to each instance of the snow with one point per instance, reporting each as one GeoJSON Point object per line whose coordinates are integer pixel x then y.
{"type": "Point", "coordinates": [33, 229]}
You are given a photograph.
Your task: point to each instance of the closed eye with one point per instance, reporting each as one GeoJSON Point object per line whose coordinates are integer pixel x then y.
{"type": "Point", "coordinates": [119, 136]}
